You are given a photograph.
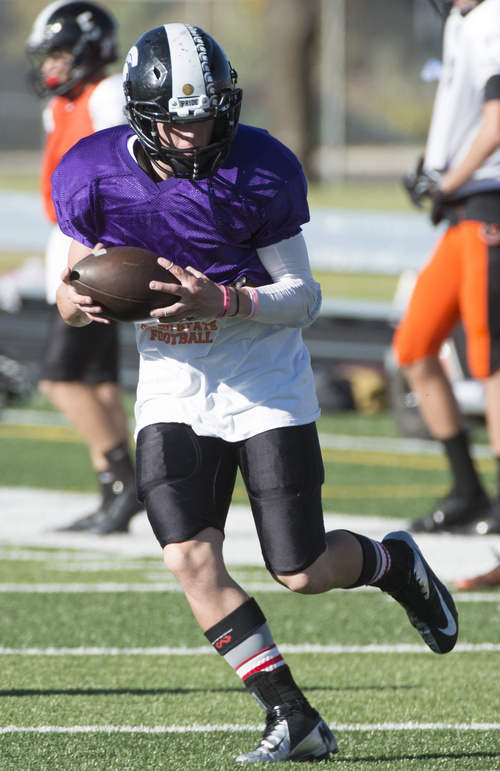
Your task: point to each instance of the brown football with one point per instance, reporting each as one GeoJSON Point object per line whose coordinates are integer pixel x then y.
{"type": "Point", "coordinates": [118, 279]}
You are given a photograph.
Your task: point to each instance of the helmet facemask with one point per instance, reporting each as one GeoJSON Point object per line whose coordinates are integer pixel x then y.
{"type": "Point", "coordinates": [194, 163]}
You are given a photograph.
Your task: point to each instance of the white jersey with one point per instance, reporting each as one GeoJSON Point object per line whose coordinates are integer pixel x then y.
{"type": "Point", "coordinates": [234, 395]}
{"type": "Point", "coordinates": [211, 377]}
{"type": "Point", "coordinates": [471, 56]}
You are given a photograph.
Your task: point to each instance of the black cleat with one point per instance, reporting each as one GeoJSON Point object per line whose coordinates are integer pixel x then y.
{"type": "Point", "coordinates": [117, 516]}
{"type": "Point", "coordinates": [461, 514]}
{"type": "Point", "coordinates": [428, 603]}
{"type": "Point", "coordinates": [290, 734]}
{"type": "Point", "coordinates": [85, 523]}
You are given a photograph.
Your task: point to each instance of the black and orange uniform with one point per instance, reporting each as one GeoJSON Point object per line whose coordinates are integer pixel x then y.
{"type": "Point", "coordinates": [462, 279]}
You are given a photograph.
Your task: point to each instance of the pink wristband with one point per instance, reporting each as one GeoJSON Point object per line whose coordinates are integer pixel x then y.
{"type": "Point", "coordinates": [227, 302]}
{"type": "Point", "coordinates": [254, 299]}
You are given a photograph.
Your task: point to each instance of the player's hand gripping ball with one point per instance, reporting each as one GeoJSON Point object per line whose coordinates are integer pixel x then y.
{"type": "Point", "coordinates": [118, 279]}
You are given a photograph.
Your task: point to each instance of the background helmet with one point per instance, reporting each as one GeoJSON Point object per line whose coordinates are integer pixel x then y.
{"type": "Point", "coordinates": [178, 74]}
{"type": "Point", "coordinates": [84, 29]}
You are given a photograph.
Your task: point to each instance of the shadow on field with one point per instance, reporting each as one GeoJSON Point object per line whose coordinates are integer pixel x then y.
{"type": "Point", "coordinates": [28, 692]}
{"type": "Point", "coordinates": [416, 757]}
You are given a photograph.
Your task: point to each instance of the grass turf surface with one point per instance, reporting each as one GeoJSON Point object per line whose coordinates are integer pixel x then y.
{"type": "Point", "coordinates": [84, 685]}
{"type": "Point", "coordinates": [94, 679]}
{"type": "Point", "coordinates": [368, 482]}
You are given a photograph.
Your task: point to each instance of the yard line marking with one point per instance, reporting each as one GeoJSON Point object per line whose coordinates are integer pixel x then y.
{"type": "Point", "coordinates": [477, 597]}
{"type": "Point", "coordinates": [393, 445]}
{"type": "Point", "coordinates": [233, 727]}
{"type": "Point", "coordinates": [163, 586]}
{"type": "Point", "coordinates": [26, 417]}
{"type": "Point", "coordinates": [116, 587]}
{"type": "Point", "coordinates": [207, 650]}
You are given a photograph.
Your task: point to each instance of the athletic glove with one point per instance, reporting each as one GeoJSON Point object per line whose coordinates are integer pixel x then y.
{"type": "Point", "coordinates": [421, 184]}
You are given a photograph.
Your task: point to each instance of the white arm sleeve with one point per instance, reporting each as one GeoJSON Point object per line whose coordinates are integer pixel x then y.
{"type": "Point", "coordinates": [294, 299]}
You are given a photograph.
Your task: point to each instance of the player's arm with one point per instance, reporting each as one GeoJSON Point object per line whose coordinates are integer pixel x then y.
{"type": "Point", "coordinates": [293, 299]}
{"type": "Point", "coordinates": [77, 310]}
{"type": "Point", "coordinates": [487, 140]}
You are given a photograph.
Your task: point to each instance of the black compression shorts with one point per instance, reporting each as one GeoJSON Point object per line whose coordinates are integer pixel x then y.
{"type": "Point", "coordinates": [86, 354]}
{"type": "Point", "coordinates": [186, 481]}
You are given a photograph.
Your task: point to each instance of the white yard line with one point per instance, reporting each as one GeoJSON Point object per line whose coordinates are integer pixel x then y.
{"type": "Point", "coordinates": [167, 588]}
{"type": "Point", "coordinates": [30, 518]}
{"type": "Point", "coordinates": [234, 727]}
{"type": "Point", "coordinates": [284, 648]}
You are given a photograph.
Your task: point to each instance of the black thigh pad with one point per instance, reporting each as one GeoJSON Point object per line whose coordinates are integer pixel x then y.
{"type": "Point", "coordinates": [283, 472]}
{"type": "Point", "coordinates": [184, 481]}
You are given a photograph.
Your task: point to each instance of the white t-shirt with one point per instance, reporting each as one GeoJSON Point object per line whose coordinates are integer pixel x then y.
{"type": "Point", "coordinates": [471, 56]}
{"type": "Point", "coordinates": [238, 394]}
{"type": "Point", "coordinates": [258, 375]}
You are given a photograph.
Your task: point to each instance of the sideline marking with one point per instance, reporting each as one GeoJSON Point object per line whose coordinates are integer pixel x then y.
{"type": "Point", "coordinates": [207, 650]}
{"type": "Point", "coordinates": [231, 727]}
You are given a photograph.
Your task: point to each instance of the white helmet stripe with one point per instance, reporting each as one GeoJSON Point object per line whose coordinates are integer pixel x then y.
{"type": "Point", "coordinates": [186, 66]}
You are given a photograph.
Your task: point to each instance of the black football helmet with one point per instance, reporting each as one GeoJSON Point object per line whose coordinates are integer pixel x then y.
{"type": "Point", "coordinates": [177, 73]}
{"type": "Point", "coordinates": [84, 29]}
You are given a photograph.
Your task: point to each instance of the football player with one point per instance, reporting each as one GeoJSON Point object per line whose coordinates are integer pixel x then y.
{"type": "Point", "coordinates": [461, 174]}
{"type": "Point", "coordinates": [69, 48]}
{"type": "Point", "coordinates": [223, 203]}
{"type": "Point", "coordinates": [483, 581]}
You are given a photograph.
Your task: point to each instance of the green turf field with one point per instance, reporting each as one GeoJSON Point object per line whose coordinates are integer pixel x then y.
{"type": "Point", "coordinates": [361, 480]}
{"type": "Point", "coordinates": [104, 669]}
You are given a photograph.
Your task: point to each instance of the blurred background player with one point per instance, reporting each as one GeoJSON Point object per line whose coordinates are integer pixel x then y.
{"type": "Point", "coordinates": [461, 173]}
{"type": "Point", "coordinates": [69, 48]}
{"type": "Point", "coordinates": [484, 581]}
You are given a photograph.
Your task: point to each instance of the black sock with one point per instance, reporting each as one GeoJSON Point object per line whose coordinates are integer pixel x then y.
{"type": "Point", "coordinates": [121, 468]}
{"type": "Point", "coordinates": [276, 688]}
{"type": "Point", "coordinates": [105, 479]}
{"type": "Point", "coordinates": [465, 478]}
{"type": "Point", "coordinates": [376, 561]}
{"type": "Point", "coordinates": [244, 639]}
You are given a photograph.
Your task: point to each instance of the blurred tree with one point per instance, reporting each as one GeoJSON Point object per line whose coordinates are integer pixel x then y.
{"type": "Point", "coordinates": [291, 70]}
{"type": "Point", "coordinates": [292, 29]}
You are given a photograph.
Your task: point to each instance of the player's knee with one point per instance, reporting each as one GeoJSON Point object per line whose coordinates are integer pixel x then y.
{"type": "Point", "coordinates": [404, 352]}
{"type": "Point", "coordinates": [177, 558]}
{"type": "Point", "coordinates": [409, 349]}
{"type": "Point", "coordinates": [189, 561]}
{"type": "Point", "coordinates": [305, 582]}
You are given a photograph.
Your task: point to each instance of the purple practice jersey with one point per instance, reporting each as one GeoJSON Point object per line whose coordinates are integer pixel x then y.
{"type": "Point", "coordinates": [215, 225]}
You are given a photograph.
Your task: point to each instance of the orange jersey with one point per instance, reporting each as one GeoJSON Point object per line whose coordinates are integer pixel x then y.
{"type": "Point", "coordinates": [67, 121]}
